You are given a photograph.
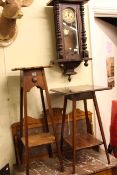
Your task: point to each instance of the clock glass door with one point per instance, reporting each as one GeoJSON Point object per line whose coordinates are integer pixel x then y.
{"type": "Point", "coordinates": [70, 30]}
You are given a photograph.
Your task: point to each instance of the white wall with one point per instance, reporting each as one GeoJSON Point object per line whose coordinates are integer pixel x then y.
{"type": "Point", "coordinates": [34, 46]}
{"type": "Point", "coordinates": [107, 47]}
{"type": "Point", "coordinates": [98, 5]}
{"type": "Point", "coordinates": [104, 44]}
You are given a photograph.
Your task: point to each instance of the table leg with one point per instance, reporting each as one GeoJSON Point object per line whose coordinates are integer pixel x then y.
{"type": "Point", "coordinates": [46, 121]}
{"type": "Point", "coordinates": [74, 133]}
{"type": "Point", "coordinates": [101, 127]}
{"type": "Point", "coordinates": [63, 121]}
{"type": "Point", "coordinates": [21, 121]}
{"type": "Point", "coordinates": [21, 111]}
{"type": "Point", "coordinates": [21, 124]}
{"type": "Point", "coordinates": [89, 130]}
{"type": "Point", "coordinates": [54, 130]}
{"type": "Point", "coordinates": [26, 132]}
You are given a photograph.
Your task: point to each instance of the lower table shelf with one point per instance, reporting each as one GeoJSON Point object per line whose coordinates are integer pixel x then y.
{"type": "Point", "coordinates": [39, 139]}
{"type": "Point", "coordinates": [83, 141]}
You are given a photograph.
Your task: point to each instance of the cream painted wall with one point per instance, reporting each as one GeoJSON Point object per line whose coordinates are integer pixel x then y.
{"type": "Point", "coordinates": [105, 4]}
{"type": "Point", "coordinates": [6, 146]}
{"type": "Point", "coordinates": [104, 44]}
{"type": "Point", "coordinates": [105, 47]}
{"type": "Point", "coordinates": [34, 46]}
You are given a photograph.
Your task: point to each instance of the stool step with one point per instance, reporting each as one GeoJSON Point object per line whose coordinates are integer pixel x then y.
{"type": "Point", "coordinates": [83, 141]}
{"type": "Point", "coordinates": [39, 139]}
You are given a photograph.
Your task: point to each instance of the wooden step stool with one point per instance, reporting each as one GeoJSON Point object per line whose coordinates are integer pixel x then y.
{"type": "Point", "coordinates": [30, 77]}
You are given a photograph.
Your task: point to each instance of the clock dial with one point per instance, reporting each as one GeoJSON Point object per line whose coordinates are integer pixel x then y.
{"type": "Point", "coordinates": [68, 15]}
{"type": "Point", "coordinates": [70, 31]}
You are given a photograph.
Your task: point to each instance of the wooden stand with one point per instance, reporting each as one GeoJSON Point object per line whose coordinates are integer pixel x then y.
{"type": "Point", "coordinates": [78, 142]}
{"type": "Point", "coordinates": [30, 77]}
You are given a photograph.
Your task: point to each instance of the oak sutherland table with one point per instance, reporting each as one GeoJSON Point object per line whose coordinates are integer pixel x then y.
{"type": "Point", "coordinates": [78, 142]}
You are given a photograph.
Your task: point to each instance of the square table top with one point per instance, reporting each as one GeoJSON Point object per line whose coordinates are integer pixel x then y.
{"type": "Point", "coordinates": [30, 68]}
{"type": "Point", "coordinates": [78, 89]}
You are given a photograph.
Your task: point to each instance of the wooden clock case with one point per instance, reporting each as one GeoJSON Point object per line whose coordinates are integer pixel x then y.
{"type": "Point", "coordinates": [69, 59]}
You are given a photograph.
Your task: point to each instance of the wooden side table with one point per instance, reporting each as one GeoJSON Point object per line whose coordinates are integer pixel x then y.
{"type": "Point", "coordinates": [78, 142]}
{"type": "Point", "coordinates": [30, 77]}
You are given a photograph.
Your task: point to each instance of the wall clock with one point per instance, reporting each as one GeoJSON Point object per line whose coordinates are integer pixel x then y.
{"type": "Point", "coordinates": [70, 34]}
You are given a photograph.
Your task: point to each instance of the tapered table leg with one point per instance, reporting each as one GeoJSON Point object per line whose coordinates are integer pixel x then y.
{"type": "Point", "coordinates": [26, 132]}
{"type": "Point", "coordinates": [53, 124]}
{"type": "Point", "coordinates": [89, 130]}
{"type": "Point", "coordinates": [46, 121]}
{"type": "Point", "coordinates": [101, 127]}
{"type": "Point", "coordinates": [63, 121]}
{"type": "Point", "coordinates": [74, 133]}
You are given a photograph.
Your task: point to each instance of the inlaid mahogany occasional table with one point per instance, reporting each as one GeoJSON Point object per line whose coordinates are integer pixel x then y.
{"type": "Point", "coordinates": [30, 77]}
{"type": "Point", "coordinates": [78, 142]}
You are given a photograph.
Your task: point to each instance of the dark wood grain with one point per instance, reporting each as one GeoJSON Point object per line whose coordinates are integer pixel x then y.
{"type": "Point", "coordinates": [51, 2]}
{"type": "Point", "coordinates": [39, 139]}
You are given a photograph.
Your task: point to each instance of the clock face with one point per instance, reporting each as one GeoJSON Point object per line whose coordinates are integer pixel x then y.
{"type": "Point", "coordinates": [70, 31]}
{"type": "Point", "coordinates": [68, 15]}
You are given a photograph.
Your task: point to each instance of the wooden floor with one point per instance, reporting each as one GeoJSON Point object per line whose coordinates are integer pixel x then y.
{"type": "Point", "coordinates": [88, 162]}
